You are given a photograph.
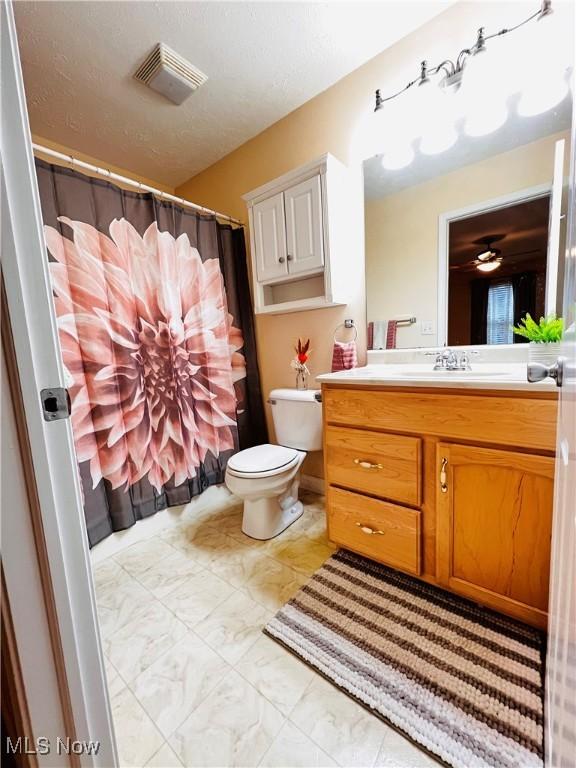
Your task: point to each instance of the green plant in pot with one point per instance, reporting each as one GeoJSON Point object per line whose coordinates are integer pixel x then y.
{"type": "Point", "coordinates": [544, 337]}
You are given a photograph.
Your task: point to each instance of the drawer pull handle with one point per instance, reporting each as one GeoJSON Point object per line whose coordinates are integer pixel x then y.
{"type": "Point", "coordinates": [367, 464]}
{"type": "Point", "coordinates": [370, 531]}
{"type": "Point", "coordinates": [443, 475]}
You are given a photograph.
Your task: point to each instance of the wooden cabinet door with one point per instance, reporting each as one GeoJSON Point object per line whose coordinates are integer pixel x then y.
{"type": "Point", "coordinates": [270, 239]}
{"type": "Point", "coordinates": [304, 233]}
{"type": "Point", "coordinates": [494, 515]}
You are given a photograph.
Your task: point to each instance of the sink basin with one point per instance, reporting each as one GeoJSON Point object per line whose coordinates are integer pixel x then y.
{"type": "Point", "coordinates": [453, 374]}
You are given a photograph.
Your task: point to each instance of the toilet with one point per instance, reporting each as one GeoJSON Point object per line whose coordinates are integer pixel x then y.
{"type": "Point", "coordinates": [267, 476]}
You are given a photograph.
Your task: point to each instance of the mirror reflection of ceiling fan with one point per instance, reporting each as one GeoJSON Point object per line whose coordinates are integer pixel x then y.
{"type": "Point", "coordinates": [488, 257]}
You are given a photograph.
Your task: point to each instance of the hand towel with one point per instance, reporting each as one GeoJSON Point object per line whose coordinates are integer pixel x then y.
{"type": "Point", "coordinates": [379, 334]}
{"type": "Point", "coordinates": [382, 334]}
{"type": "Point", "coordinates": [391, 334]}
{"type": "Point", "coordinates": [344, 356]}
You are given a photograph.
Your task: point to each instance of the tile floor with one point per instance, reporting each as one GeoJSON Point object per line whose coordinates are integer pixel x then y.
{"type": "Point", "coordinates": [194, 682]}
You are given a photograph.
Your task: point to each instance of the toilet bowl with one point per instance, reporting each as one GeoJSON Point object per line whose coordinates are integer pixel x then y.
{"type": "Point", "coordinates": [267, 477]}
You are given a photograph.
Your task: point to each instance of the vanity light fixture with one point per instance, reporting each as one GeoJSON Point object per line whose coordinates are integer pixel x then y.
{"type": "Point", "coordinates": [462, 85]}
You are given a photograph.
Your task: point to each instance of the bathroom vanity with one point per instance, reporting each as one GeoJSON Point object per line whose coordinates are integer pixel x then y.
{"type": "Point", "coordinates": [449, 480]}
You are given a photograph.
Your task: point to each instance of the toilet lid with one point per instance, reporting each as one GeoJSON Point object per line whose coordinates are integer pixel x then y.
{"type": "Point", "coordinates": [262, 458]}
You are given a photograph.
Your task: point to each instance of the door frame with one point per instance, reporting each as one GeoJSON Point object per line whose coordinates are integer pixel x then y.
{"type": "Point", "coordinates": [474, 209]}
{"type": "Point", "coordinates": [51, 448]}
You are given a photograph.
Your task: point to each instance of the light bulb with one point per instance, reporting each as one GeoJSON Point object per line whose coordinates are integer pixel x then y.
{"type": "Point", "coordinates": [437, 117]}
{"type": "Point", "coordinates": [546, 51]}
{"type": "Point", "coordinates": [483, 90]}
{"type": "Point", "coordinates": [488, 266]}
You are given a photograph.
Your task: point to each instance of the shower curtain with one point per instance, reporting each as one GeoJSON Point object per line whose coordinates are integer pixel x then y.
{"type": "Point", "coordinates": [156, 331]}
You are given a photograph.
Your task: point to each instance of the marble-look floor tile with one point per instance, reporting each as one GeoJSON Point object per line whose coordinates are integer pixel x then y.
{"type": "Point", "coordinates": [293, 749]}
{"type": "Point", "coordinates": [138, 558]}
{"type": "Point", "coordinates": [275, 673]}
{"type": "Point", "coordinates": [398, 752]}
{"type": "Point", "coordinates": [234, 726]}
{"type": "Point", "coordinates": [107, 573]}
{"type": "Point", "coordinates": [233, 626]}
{"type": "Point", "coordinates": [342, 728]}
{"type": "Point", "coordinates": [119, 604]}
{"type": "Point", "coordinates": [182, 678]}
{"type": "Point", "coordinates": [164, 758]}
{"type": "Point", "coordinates": [227, 520]}
{"type": "Point", "coordinates": [198, 597]}
{"type": "Point", "coordinates": [302, 554]}
{"type": "Point", "coordinates": [137, 644]}
{"type": "Point", "coordinates": [115, 682]}
{"type": "Point", "coordinates": [235, 564]}
{"type": "Point", "coordinates": [169, 574]}
{"type": "Point", "coordinates": [272, 584]}
{"type": "Point", "coordinates": [203, 544]}
{"type": "Point", "coordinates": [136, 736]}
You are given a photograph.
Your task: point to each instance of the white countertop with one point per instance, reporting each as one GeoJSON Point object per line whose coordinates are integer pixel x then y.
{"type": "Point", "coordinates": [493, 376]}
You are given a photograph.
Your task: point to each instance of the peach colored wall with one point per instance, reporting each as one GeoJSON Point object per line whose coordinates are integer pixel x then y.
{"type": "Point", "coordinates": [335, 121]}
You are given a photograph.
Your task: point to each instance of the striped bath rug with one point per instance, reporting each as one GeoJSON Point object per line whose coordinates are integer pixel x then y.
{"type": "Point", "coordinates": [463, 682]}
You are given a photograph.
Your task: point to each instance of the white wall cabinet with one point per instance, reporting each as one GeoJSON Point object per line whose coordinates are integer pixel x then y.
{"type": "Point", "coordinates": [306, 235]}
{"type": "Point", "coordinates": [270, 239]}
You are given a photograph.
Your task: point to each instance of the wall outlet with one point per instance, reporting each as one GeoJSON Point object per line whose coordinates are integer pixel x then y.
{"type": "Point", "coordinates": [427, 328]}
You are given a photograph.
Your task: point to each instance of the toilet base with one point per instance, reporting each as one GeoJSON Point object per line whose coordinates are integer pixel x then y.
{"type": "Point", "coordinates": [266, 518]}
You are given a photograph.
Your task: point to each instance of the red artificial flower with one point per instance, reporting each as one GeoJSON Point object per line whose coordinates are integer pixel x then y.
{"type": "Point", "coordinates": [302, 350]}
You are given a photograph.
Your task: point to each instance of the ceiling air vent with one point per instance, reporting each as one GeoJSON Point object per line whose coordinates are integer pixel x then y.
{"type": "Point", "coordinates": [168, 73]}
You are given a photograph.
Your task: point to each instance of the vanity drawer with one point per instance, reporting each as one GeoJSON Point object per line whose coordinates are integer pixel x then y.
{"type": "Point", "coordinates": [374, 462]}
{"type": "Point", "coordinates": [397, 542]}
{"type": "Point", "coordinates": [522, 419]}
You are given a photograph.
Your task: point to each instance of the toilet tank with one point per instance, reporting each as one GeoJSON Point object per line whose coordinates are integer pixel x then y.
{"type": "Point", "coordinates": [297, 415]}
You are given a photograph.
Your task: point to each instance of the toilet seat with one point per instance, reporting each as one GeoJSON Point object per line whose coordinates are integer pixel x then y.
{"type": "Point", "coordinates": [263, 461]}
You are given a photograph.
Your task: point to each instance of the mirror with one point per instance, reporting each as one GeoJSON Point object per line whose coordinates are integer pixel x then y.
{"type": "Point", "coordinates": [461, 244]}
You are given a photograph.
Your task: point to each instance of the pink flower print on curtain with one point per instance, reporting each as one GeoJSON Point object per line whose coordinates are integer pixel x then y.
{"type": "Point", "coordinates": [150, 347]}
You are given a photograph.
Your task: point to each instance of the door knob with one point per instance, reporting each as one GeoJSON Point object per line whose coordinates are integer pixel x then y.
{"type": "Point", "coordinates": [290, 257]}
{"type": "Point", "coordinates": [281, 259]}
{"type": "Point", "coordinates": [539, 372]}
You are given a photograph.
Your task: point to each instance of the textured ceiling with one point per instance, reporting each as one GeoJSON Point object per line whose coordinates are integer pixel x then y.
{"type": "Point", "coordinates": [263, 60]}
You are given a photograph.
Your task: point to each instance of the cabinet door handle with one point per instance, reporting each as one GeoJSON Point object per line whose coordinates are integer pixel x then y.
{"type": "Point", "coordinates": [290, 257]}
{"type": "Point", "coordinates": [367, 464]}
{"type": "Point", "coordinates": [281, 259]}
{"type": "Point", "coordinates": [370, 531]}
{"type": "Point", "coordinates": [443, 475]}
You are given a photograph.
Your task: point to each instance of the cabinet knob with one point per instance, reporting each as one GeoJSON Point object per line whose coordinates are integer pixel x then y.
{"type": "Point", "coordinates": [281, 259]}
{"type": "Point", "coordinates": [290, 257]}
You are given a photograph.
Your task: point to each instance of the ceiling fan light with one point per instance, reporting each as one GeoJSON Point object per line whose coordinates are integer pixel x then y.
{"type": "Point", "coordinates": [488, 266]}
{"type": "Point", "coordinates": [485, 255]}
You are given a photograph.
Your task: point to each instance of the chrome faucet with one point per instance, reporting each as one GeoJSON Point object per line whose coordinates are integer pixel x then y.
{"type": "Point", "coordinates": [453, 360]}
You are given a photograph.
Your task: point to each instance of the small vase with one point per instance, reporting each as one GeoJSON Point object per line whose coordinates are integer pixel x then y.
{"type": "Point", "coordinates": [547, 354]}
{"type": "Point", "coordinates": [301, 380]}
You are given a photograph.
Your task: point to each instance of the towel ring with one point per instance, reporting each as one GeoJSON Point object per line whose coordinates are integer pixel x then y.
{"type": "Point", "coordinates": [346, 324]}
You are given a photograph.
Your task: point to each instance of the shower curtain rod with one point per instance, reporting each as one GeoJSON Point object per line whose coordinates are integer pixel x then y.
{"type": "Point", "coordinates": [130, 182]}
